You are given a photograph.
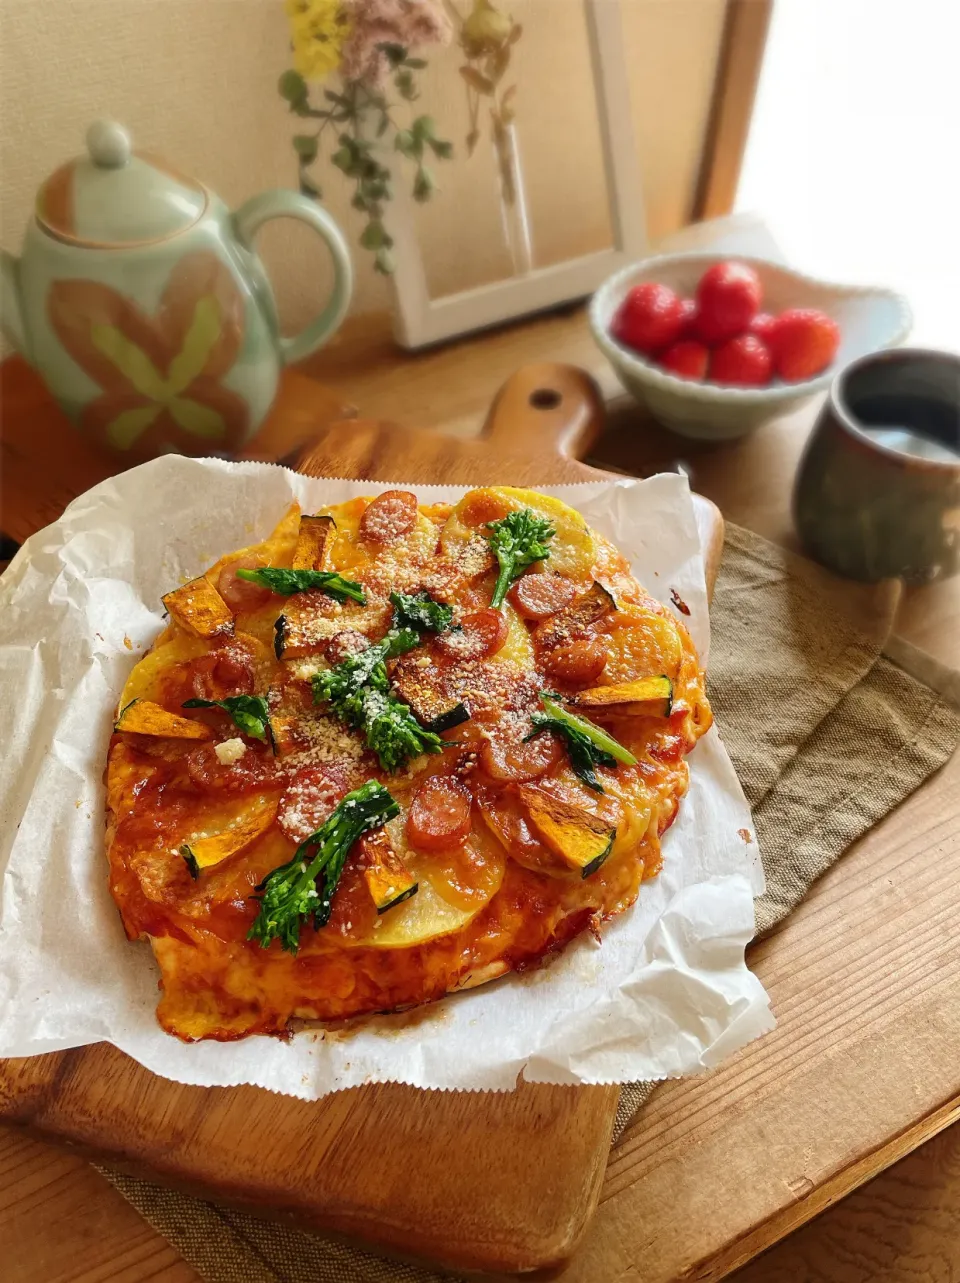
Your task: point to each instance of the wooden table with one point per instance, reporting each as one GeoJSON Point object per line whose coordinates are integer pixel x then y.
{"type": "Point", "coordinates": [865, 978]}
{"type": "Point", "coordinates": [44, 464]}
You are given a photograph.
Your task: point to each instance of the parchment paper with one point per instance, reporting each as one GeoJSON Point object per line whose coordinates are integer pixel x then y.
{"type": "Point", "coordinates": [668, 991]}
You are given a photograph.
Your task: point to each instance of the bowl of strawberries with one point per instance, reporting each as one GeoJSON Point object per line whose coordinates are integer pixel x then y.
{"type": "Point", "coordinates": [716, 347]}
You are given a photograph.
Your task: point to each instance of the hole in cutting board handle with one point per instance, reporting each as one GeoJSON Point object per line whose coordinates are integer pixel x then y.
{"type": "Point", "coordinates": [545, 398]}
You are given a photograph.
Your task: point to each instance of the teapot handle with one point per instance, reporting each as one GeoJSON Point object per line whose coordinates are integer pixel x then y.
{"type": "Point", "coordinates": [248, 220]}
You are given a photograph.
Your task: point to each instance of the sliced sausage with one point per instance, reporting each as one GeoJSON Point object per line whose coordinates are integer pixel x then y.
{"type": "Point", "coordinates": [389, 517]}
{"type": "Point", "coordinates": [439, 816]}
{"type": "Point", "coordinates": [481, 634]}
{"type": "Point", "coordinates": [239, 594]}
{"type": "Point", "coordinates": [342, 645]}
{"type": "Point", "coordinates": [538, 596]}
{"type": "Point", "coordinates": [510, 759]}
{"type": "Point", "coordinates": [580, 663]}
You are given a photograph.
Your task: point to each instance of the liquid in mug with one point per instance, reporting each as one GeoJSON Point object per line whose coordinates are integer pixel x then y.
{"type": "Point", "coordinates": [923, 427]}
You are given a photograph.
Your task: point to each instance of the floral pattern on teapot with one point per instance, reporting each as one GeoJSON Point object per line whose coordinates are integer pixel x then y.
{"type": "Point", "coordinates": [160, 375]}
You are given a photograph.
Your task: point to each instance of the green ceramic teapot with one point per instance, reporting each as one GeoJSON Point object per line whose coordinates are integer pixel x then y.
{"type": "Point", "coordinates": [140, 300]}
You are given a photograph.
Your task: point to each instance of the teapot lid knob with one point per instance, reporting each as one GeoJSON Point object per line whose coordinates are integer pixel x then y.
{"type": "Point", "coordinates": [114, 196]}
{"type": "Point", "coordinates": [108, 144]}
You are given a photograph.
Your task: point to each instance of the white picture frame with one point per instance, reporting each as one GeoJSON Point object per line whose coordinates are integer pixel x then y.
{"type": "Point", "coordinates": [420, 320]}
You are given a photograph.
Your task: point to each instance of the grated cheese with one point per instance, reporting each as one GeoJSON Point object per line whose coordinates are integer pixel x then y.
{"type": "Point", "coordinates": [319, 740]}
{"type": "Point", "coordinates": [453, 572]}
{"type": "Point", "coordinates": [230, 751]}
{"type": "Point", "coordinates": [309, 668]}
{"type": "Point", "coordinates": [400, 567]}
{"type": "Point", "coordinates": [310, 625]}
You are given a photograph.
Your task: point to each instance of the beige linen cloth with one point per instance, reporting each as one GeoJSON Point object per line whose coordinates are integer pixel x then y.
{"type": "Point", "coordinates": [829, 723]}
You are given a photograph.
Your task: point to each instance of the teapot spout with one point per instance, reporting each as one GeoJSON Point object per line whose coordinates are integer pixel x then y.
{"type": "Point", "coordinates": [11, 313]}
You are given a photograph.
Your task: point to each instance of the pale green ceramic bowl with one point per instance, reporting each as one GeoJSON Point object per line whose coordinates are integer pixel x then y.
{"type": "Point", "coordinates": [869, 318]}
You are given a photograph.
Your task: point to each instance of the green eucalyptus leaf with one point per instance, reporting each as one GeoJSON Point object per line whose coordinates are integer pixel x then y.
{"type": "Point", "coordinates": [373, 236]}
{"type": "Point", "coordinates": [293, 88]}
{"type": "Point", "coordinates": [394, 53]}
{"type": "Point", "coordinates": [441, 149]}
{"type": "Point", "coordinates": [384, 263]}
{"type": "Point", "coordinates": [405, 86]}
{"type": "Point", "coordinates": [305, 145]}
{"type": "Point", "coordinates": [405, 143]}
{"type": "Point", "coordinates": [424, 184]}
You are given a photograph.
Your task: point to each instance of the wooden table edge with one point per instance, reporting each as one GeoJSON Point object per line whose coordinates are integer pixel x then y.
{"type": "Point", "coordinates": [843, 1182]}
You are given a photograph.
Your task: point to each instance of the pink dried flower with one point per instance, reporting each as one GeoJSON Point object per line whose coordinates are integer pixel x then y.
{"type": "Point", "coordinates": [400, 22]}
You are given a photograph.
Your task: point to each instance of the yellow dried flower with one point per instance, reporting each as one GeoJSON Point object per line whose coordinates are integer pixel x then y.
{"type": "Point", "coordinates": [485, 28]}
{"type": "Point", "coordinates": [318, 29]}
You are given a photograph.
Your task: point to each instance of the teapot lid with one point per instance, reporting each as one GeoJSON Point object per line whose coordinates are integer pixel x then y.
{"type": "Point", "coordinates": [114, 196]}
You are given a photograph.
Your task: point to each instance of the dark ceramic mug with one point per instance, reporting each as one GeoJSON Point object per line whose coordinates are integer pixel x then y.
{"type": "Point", "coordinates": [877, 494]}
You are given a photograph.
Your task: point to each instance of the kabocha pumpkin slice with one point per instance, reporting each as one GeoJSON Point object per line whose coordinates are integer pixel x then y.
{"type": "Point", "coordinates": [422, 690]}
{"type": "Point", "coordinates": [303, 630]}
{"type": "Point", "coordinates": [205, 851]}
{"type": "Point", "coordinates": [143, 717]}
{"type": "Point", "coordinates": [200, 609]}
{"type": "Point", "coordinates": [648, 697]}
{"type": "Point", "coordinates": [583, 840]}
{"type": "Point", "coordinates": [572, 622]}
{"type": "Point", "coordinates": [314, 541]}
{"type": "Point", "coordinates": [310, 620]}
{"type": "Point", "coordinates": [387, 878]}
{"type": "Point", "coordinates": [285, 737]}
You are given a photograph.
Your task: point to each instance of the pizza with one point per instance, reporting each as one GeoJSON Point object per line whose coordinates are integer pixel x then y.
{"type": "Point", "coordinates": [393, 751]}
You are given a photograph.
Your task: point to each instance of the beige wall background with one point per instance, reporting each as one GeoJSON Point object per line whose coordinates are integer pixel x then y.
{"type": "Point", "coordinates": [195, 81]}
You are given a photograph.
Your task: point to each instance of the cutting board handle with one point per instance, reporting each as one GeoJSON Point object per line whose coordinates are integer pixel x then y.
{"type": "Point", "coordinates": [546, 409]}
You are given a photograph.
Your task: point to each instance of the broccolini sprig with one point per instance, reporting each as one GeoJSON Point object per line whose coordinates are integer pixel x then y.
{"type": "Point", "coordinates": [421, 612]}
{"type": "Point", "coordinates": [357, 691]}
{"type": "Point", "coordinates": [587, 745]}
{"type": "Point", "coordinates": [280, 579]}
{"type": "Point", "coordinates": [517, 541]}
{"type": "Point", "coordinates": [292, 893]}
{"type": "Point", "coordinates": [250, 714]}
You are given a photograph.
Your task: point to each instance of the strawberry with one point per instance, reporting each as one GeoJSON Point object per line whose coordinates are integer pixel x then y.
{"type": "Point", "coordinates": [688, 324]}
{"type": "Point", "coordinates": [763, 325]}
{"type": "Point", "coordinates": [648, 319]}
{"type": "Point", "coordinates": [687, 359]}
{"type": "Point", "coordinates": [728, 298]}
{"type": "Point", "coordinates": [744, 361]}
{"type": "Point", "coordinates": [804, 341]}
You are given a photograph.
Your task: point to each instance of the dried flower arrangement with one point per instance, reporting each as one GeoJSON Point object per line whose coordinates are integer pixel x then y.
{"type": "Point", "coordinates": [368, 44]}
{"type": "Point", "coordinates": [487, 36]}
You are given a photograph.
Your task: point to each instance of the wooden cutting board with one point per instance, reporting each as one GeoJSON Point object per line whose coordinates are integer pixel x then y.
{"type": "Point", "coordinates": [496, 1182]}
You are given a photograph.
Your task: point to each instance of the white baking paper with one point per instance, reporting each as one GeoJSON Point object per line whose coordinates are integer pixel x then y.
{"type": "Point", "coordinates": [668, 991]}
